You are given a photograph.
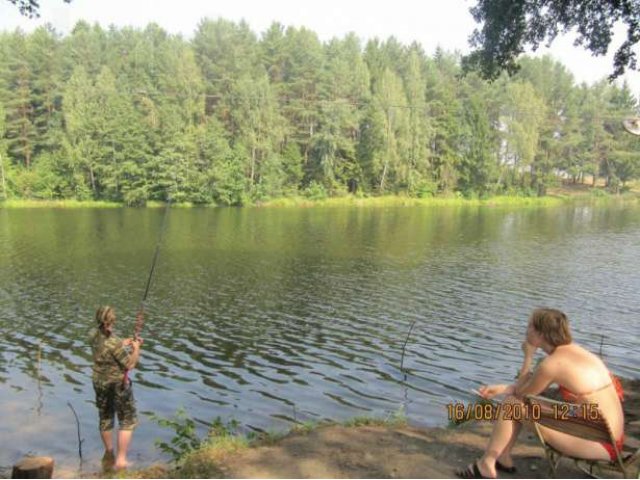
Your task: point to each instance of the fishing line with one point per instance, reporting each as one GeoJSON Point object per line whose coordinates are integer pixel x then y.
{"type": "Point", "coordinates": [140, 318]}
{"type": "Point", "coordinates": [140, 315]}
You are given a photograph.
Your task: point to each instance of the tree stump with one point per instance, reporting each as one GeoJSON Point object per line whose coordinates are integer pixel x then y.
{"type": "Point", "coordinates": [33, 467]}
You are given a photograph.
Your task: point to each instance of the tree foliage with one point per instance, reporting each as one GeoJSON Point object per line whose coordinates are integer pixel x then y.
{"type": "Point", "coordinates": [231, 117]}
{"type": "Point", "coordinates": [508, 26]}
{"type": "Point", "coordinates": [30, 8]}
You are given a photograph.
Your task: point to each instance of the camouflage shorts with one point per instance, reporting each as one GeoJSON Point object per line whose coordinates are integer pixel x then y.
{"type": "Point", "coordinates": [112, 399]}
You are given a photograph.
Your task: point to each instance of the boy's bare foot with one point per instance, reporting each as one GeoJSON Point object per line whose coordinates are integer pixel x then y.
{"type": "Point", "coordinates": [108, 460]}
{"type": "Point", "coordinates": [121, 465]}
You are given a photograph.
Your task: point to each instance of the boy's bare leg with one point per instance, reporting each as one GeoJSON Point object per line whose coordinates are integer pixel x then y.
{"type": "Point", "coordinates": [124, 439]}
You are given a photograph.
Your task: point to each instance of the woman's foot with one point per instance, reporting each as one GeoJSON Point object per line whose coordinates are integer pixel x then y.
{"type": "Point", "coordinates": [504, 463]}
{"type": "Point", "coordinates": [476, 470]}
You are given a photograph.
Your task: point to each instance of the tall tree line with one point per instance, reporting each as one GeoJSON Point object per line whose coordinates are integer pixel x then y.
{"type": "Point", "coordinates": [232, 117]}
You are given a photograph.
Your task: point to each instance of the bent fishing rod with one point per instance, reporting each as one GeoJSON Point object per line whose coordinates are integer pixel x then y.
{"type": "Point", "coordinates": [140, 315]}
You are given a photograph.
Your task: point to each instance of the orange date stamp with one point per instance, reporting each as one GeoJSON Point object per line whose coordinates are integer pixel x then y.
{"type": "Point", "coordinates": [485, 411]}
{"type": "Point", "coordinates": [459, 412]}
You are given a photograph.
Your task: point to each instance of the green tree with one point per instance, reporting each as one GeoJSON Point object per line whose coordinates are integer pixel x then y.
{"type": "Point", "coordinates": [79, 113]}
{"type": "Point", "coordinates": [43, 47]}
{"type": "Point", "coordinates": [30, 8]}
{"type": "Point", "coordinates": [597, 140]}
{"type": "Point", "coordinates": [553, 84]}
{"type": "Point", "coordinates": [3, 173]}
{"type": "Point", "coordinates": [390, 100]}
{"type": "Point", "coordinates": [418, 168]}
{"type": "Point", "coordinates": [522, 118]}
{"type": "Point", "coordinates": [20, 130]}
{"type": "Point", "coordinates": [478, 141]}
{"type": "Point", "coordinates": [444, 107]}
{"type": "Point", "coordinates": [623, 163]}
{"type": "Point", "coordinates": [508, 26]}
{"type": "Point", "coordinates": [344, 87]}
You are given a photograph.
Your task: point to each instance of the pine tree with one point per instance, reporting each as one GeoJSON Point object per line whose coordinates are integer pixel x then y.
{"type": "Point", "coordinates": [46, 67]}
{"type": "Point", "coordinates": [20, 130]}
{"type": "Point", "coordinates": [79, 112]}
{"type": "Point", "coordinates": [418, 167]}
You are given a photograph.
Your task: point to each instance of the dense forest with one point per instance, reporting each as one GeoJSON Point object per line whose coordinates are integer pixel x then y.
{"type": "Point", "coordinates": [232, 117]}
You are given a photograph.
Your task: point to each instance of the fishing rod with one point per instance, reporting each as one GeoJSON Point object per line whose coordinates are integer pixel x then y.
{"type": "Point", "coordinates": [404, 346]}
{"type": "Point", "coordinates": [140, 315]}
{"type": "Point", "coordinates": [137, 329]}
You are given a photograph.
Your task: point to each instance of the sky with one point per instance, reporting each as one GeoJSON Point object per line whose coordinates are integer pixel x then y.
{"type": "Point", "coordinates": [432, 23]}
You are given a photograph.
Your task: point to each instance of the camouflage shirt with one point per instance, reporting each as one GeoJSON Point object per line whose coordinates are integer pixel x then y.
{"type": "Point", "coordinates": [110, 358]}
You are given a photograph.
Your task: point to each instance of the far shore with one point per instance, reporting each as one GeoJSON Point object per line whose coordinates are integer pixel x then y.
{"type": "Point", "coordinates": [555, 196]}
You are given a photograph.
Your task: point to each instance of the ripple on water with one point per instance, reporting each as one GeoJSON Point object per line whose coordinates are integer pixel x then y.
{"type": "Point", "coordinates": [286, 316]}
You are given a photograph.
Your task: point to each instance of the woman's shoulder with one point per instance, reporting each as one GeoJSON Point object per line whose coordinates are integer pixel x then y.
{"type": "Point", "coordinates": [576, 357]}
{"type": "Point", "coordinates": [113, 342]}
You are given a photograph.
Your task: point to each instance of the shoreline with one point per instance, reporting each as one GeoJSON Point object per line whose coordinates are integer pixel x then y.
{"type": "Point", "coordinates": [556, 197]}
{"type": "Point", "coordinates": [366, 448]}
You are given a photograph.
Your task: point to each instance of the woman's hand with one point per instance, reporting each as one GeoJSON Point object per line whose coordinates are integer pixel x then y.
{"type": "Point", "coordinates": [490, 391]}
{"type": "Point", "coordinates": [528, 349]}
{"type": "Point", "coordinates": [132, 342]}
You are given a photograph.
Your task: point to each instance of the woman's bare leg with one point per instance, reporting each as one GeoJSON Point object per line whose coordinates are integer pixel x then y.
{"type": "Point", "coordinates": [504, 434]}
{"type": "Point", "coordinates": [574, 446]}
{"type": "Point", "coordinates": [505, 457]}
{"type": "Point", "coordinates": [503, 437]}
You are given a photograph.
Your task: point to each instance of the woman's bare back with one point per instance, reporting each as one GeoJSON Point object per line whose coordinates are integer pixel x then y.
{"type": "Point", "coordinates": [586, 376]}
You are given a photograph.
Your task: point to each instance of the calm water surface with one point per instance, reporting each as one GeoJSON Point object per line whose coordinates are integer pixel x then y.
{"type": "Point", "coordinates": [278, 316]}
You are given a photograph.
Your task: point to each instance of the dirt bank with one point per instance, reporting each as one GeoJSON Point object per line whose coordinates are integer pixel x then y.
{"type": "Point", "coordinates": [378, 452]}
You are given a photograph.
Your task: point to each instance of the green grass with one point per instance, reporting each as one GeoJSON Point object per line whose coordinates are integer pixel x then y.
{"type": "Point", "coordinates": [598, 196]}
{"type": "Point", "coordinates": [307, 427]}
{"type": "Point", "coordinates": [24, 203]}
{"type": "Point", "coordinates": [269, 437]}
{"type": "Point", "coordinates": [34, 203]}
{"type": "Point", "coordinates": [393, 420]}
{"type": "Point", "coordinates": [205, 462]}
{"type": "Point", "coordinates": [404, 201]}
{"type": "Point", "coordinates": [157, 204]}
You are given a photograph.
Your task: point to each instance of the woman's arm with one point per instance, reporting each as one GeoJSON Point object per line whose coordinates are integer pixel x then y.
{"type": "Point", "coordinates": [135, 354]}
{"type": "Point", "coordinates": [536, 382]}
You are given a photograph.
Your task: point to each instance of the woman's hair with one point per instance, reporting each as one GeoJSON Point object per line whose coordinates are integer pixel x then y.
{"type": "Point", "coordinates": [553, 325]}
{"type": "Point", "coordinates": [105, 317]}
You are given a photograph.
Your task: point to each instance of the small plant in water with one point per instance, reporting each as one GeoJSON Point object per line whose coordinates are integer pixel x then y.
{"type": "Point", "coordinates": [220, 429]}
{"type": "Point", "coordinates": [185, 439]}
{"type": "Point", "coordinates": [305, 427]}
{"type": "Point", "coordinates": [267, 437]}
{"type": "Point", "coordinates": [393, 419]}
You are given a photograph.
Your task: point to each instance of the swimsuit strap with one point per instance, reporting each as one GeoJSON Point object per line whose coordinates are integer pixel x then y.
{"type": "Point", "coordinates": [615, 382]}
{"type": "Point", "coordinates": [586, 394]}
{"type": "Point", "coordinates": [568, 395]}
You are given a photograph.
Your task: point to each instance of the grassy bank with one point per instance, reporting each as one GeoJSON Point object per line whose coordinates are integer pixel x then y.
{"type": "Point", "coordinates": [402, 201]}
{"type": "Point", "coordinates": [205, 461]}
{"type": "Point", "coordinates": [70, 204]}
{"type": "Point", "coordinates": [363, 447]}
{"type": "Point", "coordinates": [556, 198]}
